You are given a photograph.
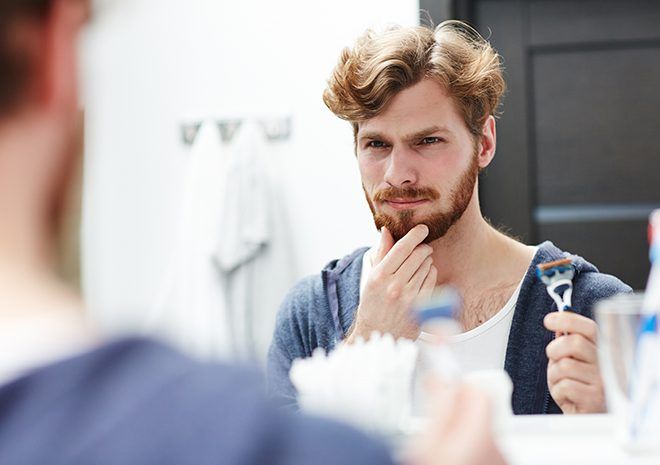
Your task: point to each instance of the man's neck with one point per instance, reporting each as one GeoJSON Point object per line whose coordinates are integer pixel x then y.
{"type": "Point", "coordinates": [28, 283]}
{"type": "Point", "coordinates": [41, 320]}
{"type": "Point", "coordinates": [26, 236]}
{"type": "Point", "coordinates": [484, 265]}
{"type": "Point", "coordinates": [473, 254]}
{"type": "Point", "coordinates": [29, 288]}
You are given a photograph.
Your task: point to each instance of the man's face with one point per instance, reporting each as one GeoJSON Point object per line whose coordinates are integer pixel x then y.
{"type": "Point", "coordinates": [418, 162]}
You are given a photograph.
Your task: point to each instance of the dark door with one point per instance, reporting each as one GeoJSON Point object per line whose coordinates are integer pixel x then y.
{"type": "Point", "coordinates": [578, 156]}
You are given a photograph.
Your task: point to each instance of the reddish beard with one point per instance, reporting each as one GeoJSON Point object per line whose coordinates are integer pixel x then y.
{"type": "Point", "coordinates": [439, 222]}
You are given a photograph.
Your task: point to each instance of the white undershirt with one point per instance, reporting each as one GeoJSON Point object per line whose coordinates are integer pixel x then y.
{"type": "Point", "coordinates": [481, 348]}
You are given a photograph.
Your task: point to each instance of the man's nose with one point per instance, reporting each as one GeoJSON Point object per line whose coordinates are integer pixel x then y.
{"type": "Point", "coordinates": [401, 170]}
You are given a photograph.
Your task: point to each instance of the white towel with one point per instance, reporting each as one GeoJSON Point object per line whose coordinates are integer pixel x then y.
{"type": "Point", "coordinates": [233, 263]}
{"type": "Point", "coordinates": [190, 309]}
{"type": "Point", "coordinates": [245, 234]}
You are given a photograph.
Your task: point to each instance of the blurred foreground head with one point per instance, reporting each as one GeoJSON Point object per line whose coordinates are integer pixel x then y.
{"type": "Point", "coordinates": [39, 120]}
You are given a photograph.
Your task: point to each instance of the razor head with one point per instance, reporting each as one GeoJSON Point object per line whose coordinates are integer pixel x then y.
{"type": "Point", "coordinates": [552, 272]}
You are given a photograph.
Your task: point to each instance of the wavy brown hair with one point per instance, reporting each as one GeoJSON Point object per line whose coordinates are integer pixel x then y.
{"type": "Point", "coordinates": [380, 65]}
{"type": "Point", "coordinates": [14, 62]}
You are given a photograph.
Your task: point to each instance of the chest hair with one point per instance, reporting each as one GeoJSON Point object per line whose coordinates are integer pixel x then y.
{"type": "Point", "coordinates": [480, 305]}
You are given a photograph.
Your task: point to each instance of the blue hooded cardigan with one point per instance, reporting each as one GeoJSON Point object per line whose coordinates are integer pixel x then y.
{"type": "Point", "coordinates": [320, 309]}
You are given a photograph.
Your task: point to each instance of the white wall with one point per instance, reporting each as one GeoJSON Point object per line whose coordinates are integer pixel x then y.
{"type": "Point", "coordinates": [150, 65]}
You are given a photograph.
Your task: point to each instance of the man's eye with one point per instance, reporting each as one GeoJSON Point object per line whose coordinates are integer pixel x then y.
{"type": "Point", "coordinates": [376, 144]}
{"type": "Point", "coordinates": [430, 140]}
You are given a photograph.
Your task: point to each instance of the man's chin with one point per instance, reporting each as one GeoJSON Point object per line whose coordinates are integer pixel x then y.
{"type": "Point", "coordinates": [399, 226]}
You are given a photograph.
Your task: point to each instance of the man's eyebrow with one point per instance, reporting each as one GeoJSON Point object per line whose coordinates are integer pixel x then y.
{"type": "Point", "coordinates": [415, 136]}
{"type": "Point", "coordinates": [371, 135]}
{"type": "Point", "coordinates": [426, 132]}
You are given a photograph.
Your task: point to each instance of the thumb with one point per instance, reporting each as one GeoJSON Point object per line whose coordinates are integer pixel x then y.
{"type": "Point", "coordinates": [385, 245]}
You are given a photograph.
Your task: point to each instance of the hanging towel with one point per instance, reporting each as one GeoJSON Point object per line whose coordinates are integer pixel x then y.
{"type": "Point", "coordinates": [253, 254]}
{"type": "Point", "coordinates": [190, 308]}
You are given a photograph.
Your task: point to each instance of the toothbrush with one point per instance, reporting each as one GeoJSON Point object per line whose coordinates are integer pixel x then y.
{"type": "Point", "coordinates": [439, 313]}
{"type": "Point", "coordinates": [444, 305]}
{"type": "Point", "coordinates": [558, 278]}
{"type": "Point", "coordinates": [644, 386]}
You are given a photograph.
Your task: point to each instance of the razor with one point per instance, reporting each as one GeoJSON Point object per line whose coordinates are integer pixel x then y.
{"type": "Point", "coordinates": [558, 279]}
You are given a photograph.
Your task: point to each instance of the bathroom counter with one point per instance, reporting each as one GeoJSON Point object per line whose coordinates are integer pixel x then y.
{"type": "Point", "coordinates": [562, 440]}
{"type": "Point", "coordinates": [567, 440]}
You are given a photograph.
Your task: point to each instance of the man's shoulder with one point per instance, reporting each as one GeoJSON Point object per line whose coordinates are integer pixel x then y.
{"type": "Point", "coordinates": [323, 442]}
{"type": "Point", "coordinates": [586, 272]}
{"type": "Point", "coordinates": [133, 365]}
{"type": "Point", "coordinates": [235, 421]}
{"type": "Point", "coordinates": [348, 264]}
{"type": "Point", "coordinates": [98, 408]}
{"type": "Point", "coordinates": [600, 283]}
{"type": "Point", "coordinates": [593, 286]}
{"type": "Point", "coordinates": [312, 290]}
{"type": "Point", "coordinates": [589, 284]}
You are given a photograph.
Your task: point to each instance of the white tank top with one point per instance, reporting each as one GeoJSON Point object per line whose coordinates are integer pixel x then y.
{"type": "Point", "coordinates": [481, 348]}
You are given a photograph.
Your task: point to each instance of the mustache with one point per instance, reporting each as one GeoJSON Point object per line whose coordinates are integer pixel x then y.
{"type": "Point", "coordinates": [407, 193]}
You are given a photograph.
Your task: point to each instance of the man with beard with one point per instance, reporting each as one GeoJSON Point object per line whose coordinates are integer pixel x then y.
{"type": "Point", "coordinates": [422, 104]}
{"type": "Point", "coordinates": [70, 396]}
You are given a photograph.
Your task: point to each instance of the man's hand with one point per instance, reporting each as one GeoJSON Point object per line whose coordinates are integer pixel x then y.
{"type": "Point", "coordinates": [459, 432]}
{"type": "Point", "coordinates": [401, 273]}
{"type": "Point", "coordinates": [574, 376]}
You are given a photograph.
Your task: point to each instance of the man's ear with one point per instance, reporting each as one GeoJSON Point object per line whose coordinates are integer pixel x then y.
{"type": "Point", "coordinates": [487, 143]}
{"type": "Point", "coordinates": [59, 56]}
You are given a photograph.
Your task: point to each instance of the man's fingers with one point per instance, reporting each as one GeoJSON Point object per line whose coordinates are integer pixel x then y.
{"type": "Point", "coordinates": [569, 407]}
{"type": "Point", "coordinates": [414, 263]}
{"type": "Point", "coordinates": [570, 322]}
{"type": "Point", "coordinates": [459, 406]}
{"type": "Point", "coordinates": [472, 428]}
{"type": "Point", "coordinates": [569, 368]}
{"type": "Point", "coordinates": [569, 391]}
{"type": "Point", "coordinates": [403, 248]}
{"type": "Point", "coordinates": [573, 345]}
{"type": "Point", "coordinates": [459, 430]}
{"type": "Point", "coordinates": [417, 279]}
{"type": "Point", "coordinates": [475, 408]}
{"type": "Point", "coordinates": [444, 397]}
{"type": "Point", "coordinates": [385, 245]}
